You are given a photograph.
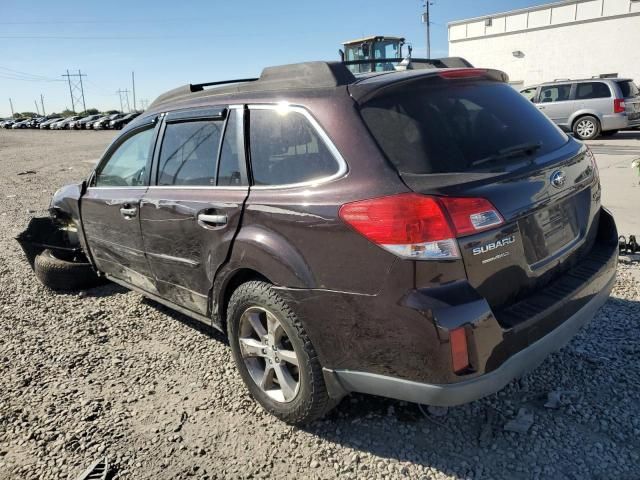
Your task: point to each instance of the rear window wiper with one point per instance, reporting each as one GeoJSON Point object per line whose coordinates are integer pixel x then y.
{"type": "Point", "coordinates": [509, 152]}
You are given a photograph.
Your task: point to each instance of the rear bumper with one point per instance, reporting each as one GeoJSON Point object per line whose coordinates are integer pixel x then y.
{"type": "Point", "coordinates": [618, 121]}
{"type": "Point", "coordinates": [469, 390]}
{"type": "Point", "coordinates": [396, 343]}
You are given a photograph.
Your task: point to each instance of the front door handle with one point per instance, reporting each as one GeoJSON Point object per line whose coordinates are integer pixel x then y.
{"type": "Point", "coordinates": [128, 212]}
{"type": "Point", "coordinates": [215, 220]}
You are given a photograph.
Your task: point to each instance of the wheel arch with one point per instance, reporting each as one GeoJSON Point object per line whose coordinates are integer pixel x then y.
{"type": "Point", "coordinates": [224, 288]}
{"type": "Point", "coordinates": [583, 113]}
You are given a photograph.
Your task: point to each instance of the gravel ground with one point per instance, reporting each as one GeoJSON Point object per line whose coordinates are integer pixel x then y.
{"type": "Point", "coordinates": [107, 372]}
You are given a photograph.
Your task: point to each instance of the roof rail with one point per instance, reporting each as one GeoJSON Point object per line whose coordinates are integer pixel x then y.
{"type": "Point", "coordinates": [281, 77]}
{"type": "Point", "coordinates": [197, 87]}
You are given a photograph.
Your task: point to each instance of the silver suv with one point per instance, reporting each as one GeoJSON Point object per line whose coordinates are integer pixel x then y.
{"type": "Point", "coordinates": [588, 108]}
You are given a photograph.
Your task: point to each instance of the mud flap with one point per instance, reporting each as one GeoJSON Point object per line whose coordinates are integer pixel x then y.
{"type": "Point", "coordinates": [45, 233]}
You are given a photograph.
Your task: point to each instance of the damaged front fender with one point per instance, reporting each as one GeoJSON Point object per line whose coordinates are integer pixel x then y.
{"type": "Point", "coordinates": [61, 231]}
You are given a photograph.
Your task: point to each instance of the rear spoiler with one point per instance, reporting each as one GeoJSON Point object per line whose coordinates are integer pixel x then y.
{"type": "Point", "coordinates": [372, 86]}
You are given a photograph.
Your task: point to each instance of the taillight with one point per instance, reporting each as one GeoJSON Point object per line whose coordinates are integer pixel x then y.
{"type": "Point", "coordinates": [471, 215]}
{"type": "Point", "coordinates": [420, 226]}
{"type": "Point", "coordinates": [459, 350]}
{"type": "Point", "coordinates": [618, 105]}
{"type": "Point", "coordinates": [463, 73]}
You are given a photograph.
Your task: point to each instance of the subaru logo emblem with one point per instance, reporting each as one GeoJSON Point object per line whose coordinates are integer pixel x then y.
{"type": "Point", "coordinates": [558, 178]}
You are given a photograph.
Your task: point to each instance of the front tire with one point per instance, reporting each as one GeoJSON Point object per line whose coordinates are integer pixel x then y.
{"type": "Point", "coordinates": [64, 274]}
{"type": "Point", "coordinates": [274, 355]}
{"type": "Point", "coordinates": [586, 128]}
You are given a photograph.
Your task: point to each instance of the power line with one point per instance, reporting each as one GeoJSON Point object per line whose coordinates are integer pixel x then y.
{"type": "Point", "coordinates": [76, 89]}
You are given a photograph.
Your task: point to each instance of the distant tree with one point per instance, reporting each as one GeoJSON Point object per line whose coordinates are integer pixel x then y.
{"type": "Point", "coordinates": [25, 115]}
{"type": "Point", "coordinates": [89, 111]}
{"type": "Point", "coordinates": [67, 113]}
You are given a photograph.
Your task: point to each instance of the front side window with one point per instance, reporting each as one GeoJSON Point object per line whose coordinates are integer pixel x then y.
{"type": "Point", "coordinates": [189, 153]}
{"type": "Point", "coordinates": [555, 93]}
{"type": "Point", "coordinates": [126, 167]}
{"type": "Point", "coordinates": [589, 90]}
{"type": "Point", "coordinates": [287, 149]}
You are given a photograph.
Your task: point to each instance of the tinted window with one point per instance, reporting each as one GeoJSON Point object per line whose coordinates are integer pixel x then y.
{"type": "Point", "coordinates": [554, 93]}
{"type": "Point", "coordinates": [189, 153]}
{"type": "Point", "coordinates": [285, 148]}
{"type": "Point", "coordinates": [628, 89]}
{"type": "Point", "coordinates": [435, 127]}
{"type": "Point", "coordinates": [127, 164]}
{"type": "Point", "coordinates": [232, 171]}
{"type": "Point", "coordinates": [592, 90]}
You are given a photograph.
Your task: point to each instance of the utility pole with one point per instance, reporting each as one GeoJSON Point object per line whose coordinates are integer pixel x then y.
{"type": "Point", "coordinates": [133, 84]}
{"type": "Point", "coordinates": [37, 109]}
{"type": "Point", "coordinates": [124, 98]}
{"type": "Point", "coordinates": [426, 19]}
{"type": "Point", "coordinates": [42, 102]}
{"type": "Point", "coordinates": [76, 89]}
{"type": "Point", "coordinates": [11, 105]}
{"type": "Point", "coordinates": [84, 106]}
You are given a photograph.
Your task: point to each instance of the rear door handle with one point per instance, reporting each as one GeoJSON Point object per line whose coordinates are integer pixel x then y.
{"type": "Point", "coordinates": [210, 219]}
{"type": "Point", "coordinates": [128, 212]}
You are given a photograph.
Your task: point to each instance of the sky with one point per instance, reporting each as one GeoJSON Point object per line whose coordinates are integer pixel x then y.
{"type": "Point", "coordinates": [169, 43]}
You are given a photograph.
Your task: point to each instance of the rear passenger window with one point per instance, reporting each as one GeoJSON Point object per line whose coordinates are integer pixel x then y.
{"type": "Point", "coordinates": [232, 171]}
{"type": "Point", "coordinates": [286, 149]}
{"type": "Point", "coordinates": [588, 90]}
{"type": "Point", "coordinates": [189, 153]}
{"type": "Point", "coordinates": [555, 93]}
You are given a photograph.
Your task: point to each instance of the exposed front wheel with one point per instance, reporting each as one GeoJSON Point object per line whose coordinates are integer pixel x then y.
{"type": "Point", "coordinates": [274, 355]}
{"type": "Point", "coordinates": [586, 128]}
{"type": "Point", "coordinates": [64, 274]}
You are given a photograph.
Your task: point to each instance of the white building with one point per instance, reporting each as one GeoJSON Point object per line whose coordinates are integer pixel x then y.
{"type": "Point", "coordinates": [570, 39]}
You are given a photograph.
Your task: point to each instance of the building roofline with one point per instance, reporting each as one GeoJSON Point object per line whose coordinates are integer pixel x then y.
{"type": "Point", "coordinates": [534, 8]}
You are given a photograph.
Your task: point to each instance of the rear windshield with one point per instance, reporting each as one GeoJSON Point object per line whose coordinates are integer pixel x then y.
{"type": "Point", "coordinates": [628, 89]}
{"type": "Point", "coordinates": [457, 126]}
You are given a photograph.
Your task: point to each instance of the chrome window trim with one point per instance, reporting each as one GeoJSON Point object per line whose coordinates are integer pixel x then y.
{"type": "Point", "coordinates": [197, 187]}
{"type": "Point", "coordinates": [342, 164]}
{"type": "Point", "coordinates": [105, 187]}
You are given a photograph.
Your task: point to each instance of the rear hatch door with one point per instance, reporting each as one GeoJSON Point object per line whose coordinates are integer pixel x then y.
{"type": "Point", "coordinates": [476, 137]}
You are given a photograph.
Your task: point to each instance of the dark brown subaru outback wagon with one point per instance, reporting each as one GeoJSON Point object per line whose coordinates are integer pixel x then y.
{"type": "Point", "coordinates": [426, 235]}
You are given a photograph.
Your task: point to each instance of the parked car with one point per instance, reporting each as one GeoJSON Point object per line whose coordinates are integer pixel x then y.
{"type": "Point", "coordinates": [426, 235]}
{"type": "Point", "coordinates": [119, 123]}
{"type": "Point", "coordinates": [81, 124]}
{"type": "Point", "coordinates": [8, 123]}
{"type": "Point", "coordinates": [35, 122]}
{"type": "Point", "coordinates": [47, 123]}
{"type": "Point", "coordinates": [20, 124]}
{"type": "Point", "coordinates": [90, 124]}
{"type": "Point", "coordinates": [64, 124]}
{"type": "Point", "coordinates": [588, 108]}
{"type": "Point", "coordinates": [104, 122]}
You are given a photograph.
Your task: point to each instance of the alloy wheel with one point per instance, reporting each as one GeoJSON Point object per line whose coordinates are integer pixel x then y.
{"type": "Point", "coordinates": [585, 128]}
{"type": "Point", "coordinates": [268, 354]}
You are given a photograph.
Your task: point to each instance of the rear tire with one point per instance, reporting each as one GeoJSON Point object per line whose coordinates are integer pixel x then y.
{"type": "Point", "coordinates": [58, 274]}
{"type": "Point", "coordinates": [586, 128]}
{"type": "Point", "coordinates": [276, 361]}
